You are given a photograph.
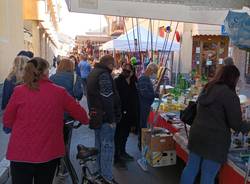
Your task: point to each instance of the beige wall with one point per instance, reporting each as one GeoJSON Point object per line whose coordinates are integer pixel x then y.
{"type": "Point", "coordinates": [186, 49]}
{"type": "Point", "coordinates": [33, 9]}
{"type": "Point", "coordinates": [35, 38]}
{"type": "Point", "coordinates": [11, 34]}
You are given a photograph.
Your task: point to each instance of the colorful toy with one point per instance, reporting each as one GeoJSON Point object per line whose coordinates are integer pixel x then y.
{"type": "Point", "coordinates": [133, 60]}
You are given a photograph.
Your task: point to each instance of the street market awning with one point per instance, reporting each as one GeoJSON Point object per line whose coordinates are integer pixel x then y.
{"type": "Point", "coordinates": [194, 11]}
{"type": "Point", "coordinates": [121, 43]}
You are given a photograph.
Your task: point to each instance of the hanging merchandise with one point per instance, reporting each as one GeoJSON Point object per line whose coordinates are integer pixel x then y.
{"type": "Point", "coordinates": [162, 31]}
{"type": "Point", "coordinates": [165, 44]}
{"type": "Point", "coordinates": [168, 29]}
{"type": "Point", "coordinates": [146, 61]}
{"type": "Point", "coordinates": [178, 37]}
{"type": "Point", "coordinates": [133, 61]}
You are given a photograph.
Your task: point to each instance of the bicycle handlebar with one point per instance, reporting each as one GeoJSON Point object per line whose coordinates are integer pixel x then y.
{"type": "Point", "coordinates": [71, 124]}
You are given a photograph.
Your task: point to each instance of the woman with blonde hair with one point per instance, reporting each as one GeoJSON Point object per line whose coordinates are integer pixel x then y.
{"type": "Point", "coordinates": [14, 78]}
{"type": "Point", "coordinates": [35, 116]}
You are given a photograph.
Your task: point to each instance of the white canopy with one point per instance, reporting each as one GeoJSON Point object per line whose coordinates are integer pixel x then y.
{"type": "Point", "coordinates": [121, 43]}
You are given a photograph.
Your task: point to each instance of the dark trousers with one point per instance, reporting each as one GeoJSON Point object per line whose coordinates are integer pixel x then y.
{"type": "Point", "coordinates": [84, 84]}
{"type": "Point", "coordinates": [26, 173]}
{"type": "Point", "coordinates": [121, 136]}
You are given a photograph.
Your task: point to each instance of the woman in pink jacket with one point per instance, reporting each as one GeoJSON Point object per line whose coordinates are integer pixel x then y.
{"type": "Point", "coordinates": [35, 117]}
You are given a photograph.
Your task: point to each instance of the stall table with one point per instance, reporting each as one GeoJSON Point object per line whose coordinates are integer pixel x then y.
{"type": "Point", "coordinates": [232, 172]}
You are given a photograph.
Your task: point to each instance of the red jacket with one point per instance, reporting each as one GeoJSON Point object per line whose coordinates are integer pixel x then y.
{"type": "Point", "coordinates": [36, 120]}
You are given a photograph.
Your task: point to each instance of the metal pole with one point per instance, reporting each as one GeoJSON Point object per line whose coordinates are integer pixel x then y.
{"type": "Point", "coordinates": [158, 84]}
{"type": "Point", "coordinates": [152, 51]}
{"type": "Point", "coordinates": [126, 34]}
{"type": "Point", "coordinates": [157, 35]}
{"type": "Point", "coordinates": [138, 36]}
{"type": "Point", "coordinates": [135, 40]}
{"type": "Point", "coordinates": [165, 43]}
{"type": "Point", "coordinates": [148, 37]}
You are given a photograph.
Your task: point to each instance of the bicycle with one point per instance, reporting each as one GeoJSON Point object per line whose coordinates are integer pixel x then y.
{"type": "Point", "coordinates": [65, 162]}
{"type": "Point", "coordinates": [86, 155]}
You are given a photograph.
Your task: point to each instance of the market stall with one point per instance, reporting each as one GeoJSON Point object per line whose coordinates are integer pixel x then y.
{"type": "Point", "coordinates": [234, 171]}
{"type": "Point", "coordinates": [127, 42]}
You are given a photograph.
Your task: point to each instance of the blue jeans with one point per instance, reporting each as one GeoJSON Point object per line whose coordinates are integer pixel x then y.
{"type": "Point", "coordinates": [104, 142]}
{"type": "Point", "coordinates": [209, 170]}
{"type": "Point", "coordinates": [144, 113]}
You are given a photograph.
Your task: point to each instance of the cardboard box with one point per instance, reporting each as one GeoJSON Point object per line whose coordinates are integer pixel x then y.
{"type": "Point", "coordinates": [158, 148]}
{"type": "Point", "coordinates": [160, 159]}
{"type": "Point", "coordinates": [158, 142]}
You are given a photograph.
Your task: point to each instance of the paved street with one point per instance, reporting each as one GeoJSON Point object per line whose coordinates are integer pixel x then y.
{"type": "Point", "coordinates": [3, 142]}
{"type": "Point", "coordinates": [134, 174]}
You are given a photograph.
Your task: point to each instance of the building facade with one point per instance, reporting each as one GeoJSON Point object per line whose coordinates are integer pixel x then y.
{"type": "Point", "coordinates": [27, 25]}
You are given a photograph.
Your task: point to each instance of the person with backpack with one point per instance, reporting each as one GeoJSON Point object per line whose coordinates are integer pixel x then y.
{"type": "Point", "coordinates": [218, 111]}
{"type": "Point", "coordinates": [67, 78]}
{"type": "Point", "coordinates": [35, 116]}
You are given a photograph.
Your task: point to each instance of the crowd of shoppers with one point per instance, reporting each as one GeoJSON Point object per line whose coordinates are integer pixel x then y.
{"type": "Point", "coordinates": [114, 107]}
{"type": "Point", "coordinates": [116, 104]}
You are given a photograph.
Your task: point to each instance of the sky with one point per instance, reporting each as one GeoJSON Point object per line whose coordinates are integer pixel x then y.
{"type": "Point", "coordinates": [73, 24]}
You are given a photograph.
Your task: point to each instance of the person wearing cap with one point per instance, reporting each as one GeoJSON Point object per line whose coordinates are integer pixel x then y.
{"type": "Point", "coordinates": [28, 54]}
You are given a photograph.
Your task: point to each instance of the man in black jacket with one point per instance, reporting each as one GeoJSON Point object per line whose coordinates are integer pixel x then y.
{"type": "Point", "coordinates": [126, 88]}
{"type": "Point", "coordinates": [103, 103]}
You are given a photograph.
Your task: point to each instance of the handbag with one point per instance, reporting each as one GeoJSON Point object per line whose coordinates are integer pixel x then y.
{"type": "Point", "coordinates": [188, 115]}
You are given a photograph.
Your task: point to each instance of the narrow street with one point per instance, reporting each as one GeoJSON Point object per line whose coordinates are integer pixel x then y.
{"type": "Point", "coordinates": [133, 175]}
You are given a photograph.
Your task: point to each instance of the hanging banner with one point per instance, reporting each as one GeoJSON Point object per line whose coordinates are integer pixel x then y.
{"type": "Point", "coordinates": [237, 26]}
